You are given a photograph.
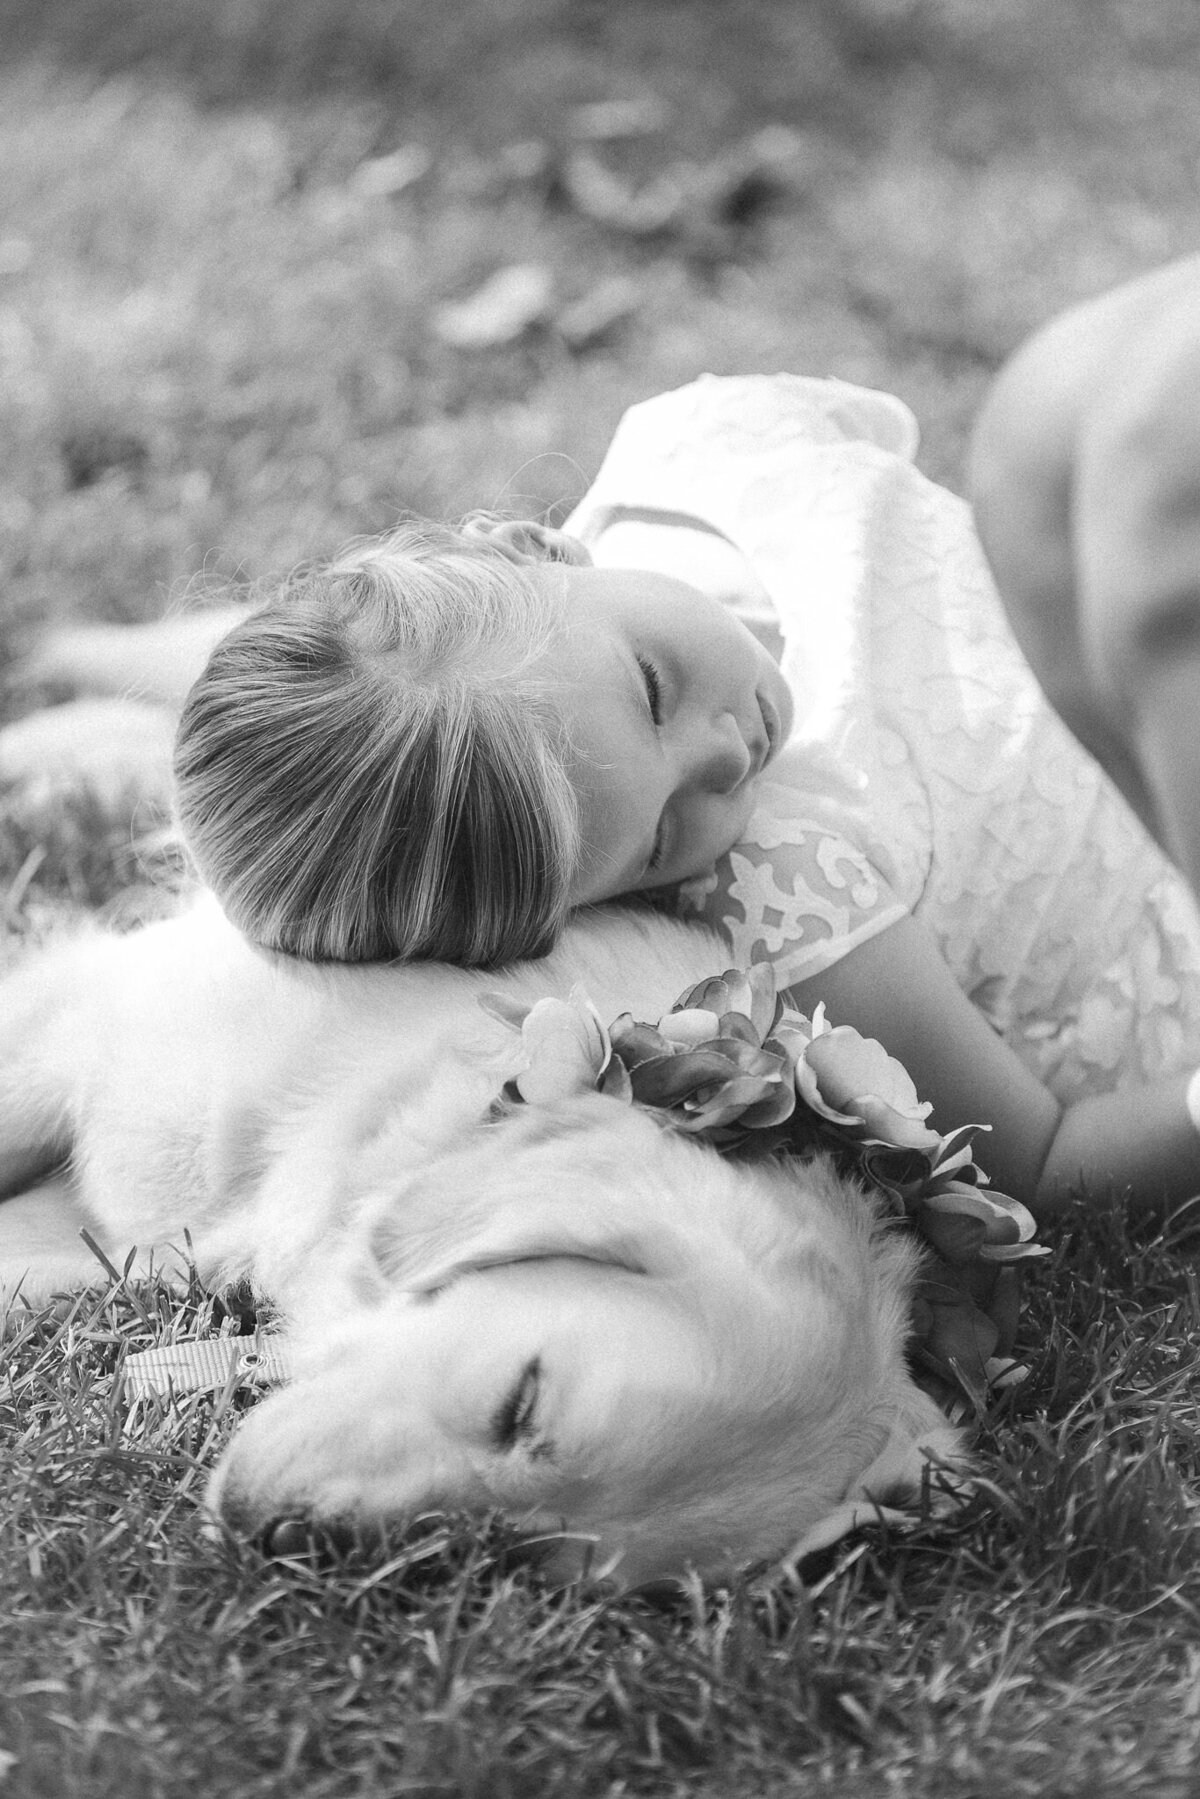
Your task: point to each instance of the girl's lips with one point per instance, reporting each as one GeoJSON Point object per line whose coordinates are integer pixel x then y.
{"type": "Point", "coordinates": [771, 724]}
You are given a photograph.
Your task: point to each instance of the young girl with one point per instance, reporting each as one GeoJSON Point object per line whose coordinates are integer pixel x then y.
{"type": "Point", "coordinates": [822, 739]}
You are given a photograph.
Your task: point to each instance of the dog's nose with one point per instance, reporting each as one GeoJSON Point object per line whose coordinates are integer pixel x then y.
{"type": "Point", "coordinates": [298, 1535]}
{"type": "Point", "coordinates": [276, 1535]}
{"type": "Point", "coordinates": [315, 1539]}
{"type": "Point", "coordinates": [285, 1537]}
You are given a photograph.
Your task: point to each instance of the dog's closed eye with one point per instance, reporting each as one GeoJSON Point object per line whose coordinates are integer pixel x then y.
{"type": "Point", "coordinates": [514, 1423]}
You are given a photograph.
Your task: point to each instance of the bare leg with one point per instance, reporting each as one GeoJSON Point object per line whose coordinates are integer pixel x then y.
{"type": "Point", "coordinates": [117, 751]}
{"type": "Point", "coordinates": [117, 748]}
{"type": "Point", "coordinates": [157, 661]}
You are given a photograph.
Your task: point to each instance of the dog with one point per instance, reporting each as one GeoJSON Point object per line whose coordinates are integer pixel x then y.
{"type": "Point", "coordinates": [650, 1357]}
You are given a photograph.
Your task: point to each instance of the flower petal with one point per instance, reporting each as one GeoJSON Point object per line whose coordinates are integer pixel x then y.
{"type": "Point", "coordinates": [711, 995]}
{"type": "Point", "coordinates": [615, 1082]}
{"type": "Point", "coordinates": [847, 1064]}
{"type": "Point", "coordinates": [1007, 1220]}
{"type": "Point", "coordinates": [899, 1129]}
{"type": "Point", "coordinates": [692, 1025]}
{"type": "Point", "coordinates": [636, 1043]}
{"type": "Point", "coordinates": [808, 1089]}
{"type": "Point", "coordinates": [721, 1104]}
{"type": "Point", "coordinates": [736, 1024]}
{"type": "Point", "coordinates": [565, 1046]}
{"type": "Point", "coordinates": [740, 991]}
{"type": "Point", "coordinates": [997, 1225]}
{"type": "Point", "coordinates": [665, 1080]}
{"type": "Point", "coordinates": [955, 1157]}
{"type": "Point", "coordinates": [766, 1003]}
{"type": "Point", "coordinates": [955, 1236]}
{"type": "Point", "coordinates": [747, 1057]}
{"type": "Point", "coordinates": [789, 1040]}
{"type": "Point", "coordinates": [580, 998]}
{"type": "Point", "coordinates": [775, 1107]}
{"type": "Point", "coordinates": [903, 1172]}
{"type": "Point", "coordinates": [1012, 1252]}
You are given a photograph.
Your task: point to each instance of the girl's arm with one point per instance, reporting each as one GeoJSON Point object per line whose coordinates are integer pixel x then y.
{"type": "Point", "coordinates": [1137, 1141]}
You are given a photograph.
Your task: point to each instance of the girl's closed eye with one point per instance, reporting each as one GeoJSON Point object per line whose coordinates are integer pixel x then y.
{"type": "Point", "coordinates": [653, 680]}
{"type": "Point", "coordinates": [654, 699]}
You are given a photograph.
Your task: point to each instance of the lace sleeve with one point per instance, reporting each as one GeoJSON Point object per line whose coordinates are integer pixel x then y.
{"type": "Point", "coordinates": [797, 892]}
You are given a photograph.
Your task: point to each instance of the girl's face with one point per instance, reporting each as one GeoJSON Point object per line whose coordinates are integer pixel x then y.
{"type": "Point", "coordinates": [673, 710]}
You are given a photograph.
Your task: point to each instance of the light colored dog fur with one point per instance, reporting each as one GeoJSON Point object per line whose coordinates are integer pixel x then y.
{"type": "Point", "coordinates": [649, 1356]}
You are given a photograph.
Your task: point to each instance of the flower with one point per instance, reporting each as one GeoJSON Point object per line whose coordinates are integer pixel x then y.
{"type": "Point", "coordinates": [706, 1061]}
{"type": "Point", "coordinates": [732, 1063]}
{"type": "Point", "coordinates": [567, 1049]}
{"type": "Point", "coordinates": [853, 1082]}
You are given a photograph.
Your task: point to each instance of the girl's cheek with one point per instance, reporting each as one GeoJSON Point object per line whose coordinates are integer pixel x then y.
{"type": "Point", "coordinates": [716, 835]}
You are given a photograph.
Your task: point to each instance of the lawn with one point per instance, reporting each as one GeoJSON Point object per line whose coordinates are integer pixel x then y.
{"type": "Point", "coordinates": [238, 239]}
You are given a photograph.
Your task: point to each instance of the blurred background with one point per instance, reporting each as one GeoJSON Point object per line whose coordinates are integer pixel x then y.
{"type": "Point", "coordinates": [272, 271]}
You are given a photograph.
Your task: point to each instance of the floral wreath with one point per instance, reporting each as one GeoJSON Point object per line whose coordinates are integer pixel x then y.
{"type": "Point", "coordinates": [733, 1064]}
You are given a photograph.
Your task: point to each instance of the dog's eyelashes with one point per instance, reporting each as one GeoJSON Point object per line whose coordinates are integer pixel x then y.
{"type": "Point", "coordinates": [513, 1421]}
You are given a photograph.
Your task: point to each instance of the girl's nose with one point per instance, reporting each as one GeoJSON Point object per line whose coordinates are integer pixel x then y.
{"type": "Point", "coordinates": [723, 760]}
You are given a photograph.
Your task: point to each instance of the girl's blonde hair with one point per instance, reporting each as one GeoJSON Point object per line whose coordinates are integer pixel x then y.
{"type": "Point", "coordinates": [369, 766]}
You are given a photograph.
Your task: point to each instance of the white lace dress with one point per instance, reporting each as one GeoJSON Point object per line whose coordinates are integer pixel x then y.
{"type": "Point", "coordinates": [926, 773]}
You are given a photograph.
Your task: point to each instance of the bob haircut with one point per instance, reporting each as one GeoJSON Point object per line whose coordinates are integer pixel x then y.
{"type": "Point", "coordinates": [369, 767]}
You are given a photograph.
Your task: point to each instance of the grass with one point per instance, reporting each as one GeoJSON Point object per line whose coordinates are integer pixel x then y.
{"type": "Point", "coordinates": [219, 355]}
{"type": "Point", "coordinates": [1043, 1640]}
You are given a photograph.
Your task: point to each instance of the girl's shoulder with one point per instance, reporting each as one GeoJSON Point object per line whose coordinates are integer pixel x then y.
{"type": "Point", "coordinates": [770, 408]}
{"type": "Point", "coordinates": [672, 450]}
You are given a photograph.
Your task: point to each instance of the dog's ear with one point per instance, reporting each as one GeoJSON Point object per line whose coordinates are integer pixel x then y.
{"type": "Point", "coordinates": [583, 1179]}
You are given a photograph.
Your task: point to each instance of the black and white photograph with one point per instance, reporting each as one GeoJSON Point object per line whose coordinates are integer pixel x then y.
{"type": "Point", "coordinates": [600, 899]}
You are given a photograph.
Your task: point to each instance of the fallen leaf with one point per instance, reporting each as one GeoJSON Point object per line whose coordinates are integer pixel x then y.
{"type": "Point", "coordinates": [382, 177]}
{"type": "Point", "coordinates": [508, 304]}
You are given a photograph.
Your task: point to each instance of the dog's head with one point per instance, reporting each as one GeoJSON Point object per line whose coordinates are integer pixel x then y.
{"type": "Point", "coordinates": [646, 1355]}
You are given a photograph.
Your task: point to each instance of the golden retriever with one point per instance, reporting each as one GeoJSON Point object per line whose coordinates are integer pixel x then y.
{"type": "Point", "coordinates": [652, 1358]}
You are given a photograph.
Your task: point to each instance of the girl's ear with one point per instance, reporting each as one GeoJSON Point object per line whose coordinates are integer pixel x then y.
{"type": "Point", "coordinates": [524, 540]}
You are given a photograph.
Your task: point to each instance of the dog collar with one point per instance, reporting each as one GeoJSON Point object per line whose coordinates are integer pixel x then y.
{"type": "Point", "coordinates": [208, 1365]}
